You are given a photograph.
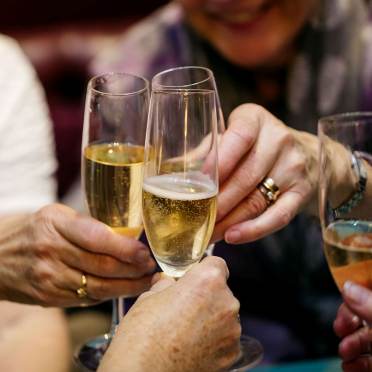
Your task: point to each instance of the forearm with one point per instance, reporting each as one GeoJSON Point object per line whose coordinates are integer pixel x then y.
{"type": "Point", "coordinates": [33, 339]}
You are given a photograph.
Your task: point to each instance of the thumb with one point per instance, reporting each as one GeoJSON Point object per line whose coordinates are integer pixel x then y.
{"type": "Point", "coordinates": [160, 282]}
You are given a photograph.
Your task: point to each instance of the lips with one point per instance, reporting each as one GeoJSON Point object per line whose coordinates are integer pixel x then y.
{"type": "Point", "coordinates": [239, 17]}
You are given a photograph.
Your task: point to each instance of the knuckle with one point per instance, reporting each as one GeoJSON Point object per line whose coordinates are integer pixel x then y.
{"type": "Point", "coordinates": [299, 164]}
{"type": "Point", "coordinates": [105, 265]}
{"type": "Point", "coordinates": [43, 228]}
{"type": "Point", "coordinates": [254, 205]}
{"type": "Point", "coordinates": [284, 136]}
{"type": "Point", "coordinates": [217, 262]}
{"type": "Point", "coordinates": [42, 247]}
{"type": "Point", "coordinates": [242, 133]}
{"type": "Point", "coordinates": [241, 183]}
{"type": "Point", "coordinates": [235, 306]}
{"type": "Point", "coordinates": [284, 216]}
{"type": "Point", "coordinates": [43, 273]}
{"type": "Point", "coordinates": [253, 109]}
{"type": "Point", "coordinates": [209, 278]}
{"type": "Point", "coordinates": [100, 289]}
{"type": "Point", "coordinates": [249, 112]}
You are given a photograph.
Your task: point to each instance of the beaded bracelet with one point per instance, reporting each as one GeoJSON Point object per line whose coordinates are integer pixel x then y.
{"type": "Point", "coordinates": [356, 198]}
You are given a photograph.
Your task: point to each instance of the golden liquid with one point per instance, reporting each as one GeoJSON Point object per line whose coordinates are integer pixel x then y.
{"type": "Point", "coordinates": [348, 248]}
{"type": "Point", "coordinates": [113, 185]}
{"type": "Point", "coordinates": [179, 217]}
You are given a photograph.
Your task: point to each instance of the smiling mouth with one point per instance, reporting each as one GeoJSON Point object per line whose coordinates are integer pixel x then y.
{"type": "Point", "coordinates": [241, 17]}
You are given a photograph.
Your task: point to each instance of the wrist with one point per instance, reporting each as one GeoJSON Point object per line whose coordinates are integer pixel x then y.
{"type": "Point", "coordinates": [343, 178]}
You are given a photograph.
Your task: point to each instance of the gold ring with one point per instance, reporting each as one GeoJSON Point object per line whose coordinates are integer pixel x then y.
{"type": "Point", "coordinates": [82, 292]}
{"type": "Point", "coordinates": [269, 190]}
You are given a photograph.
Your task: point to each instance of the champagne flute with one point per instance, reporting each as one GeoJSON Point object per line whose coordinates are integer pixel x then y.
{"type": "Point", "coordinates": [195, 77]}
{"type": "Point", "coordinates": [180, 183]}
{"type": "Point", "coordinates": [345, 208]}
{"type": "Point", "coordinates": [115, 122]}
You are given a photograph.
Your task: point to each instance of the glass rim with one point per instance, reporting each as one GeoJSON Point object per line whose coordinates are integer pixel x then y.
{"type": "Point", "coordinates": [161, 73]}
{"type": "Point", "coordinates": [120, 74]}
{"type": "Point", "coordinates": [345, 119]}
{"type": "Point", "coordinates": [180, 91]}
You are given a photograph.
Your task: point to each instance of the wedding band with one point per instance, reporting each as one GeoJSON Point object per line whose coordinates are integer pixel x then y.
{"type": "Point", "coordinates": [82, 292]}
{"type": "Point", "coordinates": [269, 190]}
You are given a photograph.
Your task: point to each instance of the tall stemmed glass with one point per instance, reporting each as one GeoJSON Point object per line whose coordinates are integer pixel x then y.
{"type": "Point", "coordinates": [191, 77]}
{"type": "Point", "coordinates": [112, 163]}
{"type": "Point", "coordinates": [181, 177]}
{"type": "Point", "coordinates": [345, 207]}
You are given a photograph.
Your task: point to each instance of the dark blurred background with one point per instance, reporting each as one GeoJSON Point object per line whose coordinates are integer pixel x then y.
{"type": "Point", "coordinates": [60, 38]}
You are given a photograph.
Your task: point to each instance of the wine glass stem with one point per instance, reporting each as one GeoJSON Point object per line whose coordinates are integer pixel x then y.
{"type": "Point", "coordinates": [118, 311]}
{"type": "Point", "coordinates": [368, 325]}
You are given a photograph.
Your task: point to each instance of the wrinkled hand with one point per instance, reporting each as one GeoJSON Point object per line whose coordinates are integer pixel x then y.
{"type": "Point", "coordinates": [356, 338]}
{"type": "Point", "coordinates": [43, 255]}
{"type": "Point", "coordinates": [257, 145]}
{"type": "Point", "coordinates": [188, 325]}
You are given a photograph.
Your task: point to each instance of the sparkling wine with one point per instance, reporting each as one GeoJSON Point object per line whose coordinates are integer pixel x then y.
{"type": "Point", "coordinates": [179, 213]}
{"type": "Point", "coordinates": [113, 185]}
{"type": "Point", "coordinates": [348, 248]}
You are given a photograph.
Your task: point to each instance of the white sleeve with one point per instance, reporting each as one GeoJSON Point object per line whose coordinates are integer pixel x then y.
{"type": "Point", "coordinates": [27, 161]}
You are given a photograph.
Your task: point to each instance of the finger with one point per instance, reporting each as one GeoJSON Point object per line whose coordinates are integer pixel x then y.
{"type": "Point", "coordinates": [210, 268]}
{"type": "Point", "coordinates": [356, 344]}
{"type": "Point", "coordinates": [251, 207]}
{"type": "Point", "coordinates": [252, 169]}
{"type": "Point", "coordinates": [103, 265]}
{"type": "Point", "coordinates": [59, 290]}
{"type": "Point", "coordinates": [96, 237]}
{"type": "Point", "coordinates": [361, 364]}
{"type": "Point", "coordinates": [346, 321]}
{"type": "Point", "coordinates": [359, 300]}
{"type": "Point", "coordinates": [103, 289]}
{"type": "Point", "coordinates": [163, 283]}
{"type": "Point", "coordinates": [66, 298]}
{"type": "Point", "coordinates": [273, 219]}
{"type": "Point", "coordinates": [238, 139]}
{"type": "Point", "coordinates": [100, 289]}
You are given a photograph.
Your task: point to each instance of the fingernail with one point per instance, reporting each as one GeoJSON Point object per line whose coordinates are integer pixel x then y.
{"type": "Point", "coordinates": [355, 292]}
{"type": "Point", "coordinates": [142, 255]}
{"type": "Point", "coordinates": [233, 236]}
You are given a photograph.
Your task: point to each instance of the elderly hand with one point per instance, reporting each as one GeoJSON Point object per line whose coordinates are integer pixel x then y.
{"type": "Point", "coordinates": [43, 256]}
{"type": "Point", "coordinates": [257, 145]}
{"type": "Point", "coordinates": [188, 325]}
{"type": "Point", "coordinates": [356, 341]}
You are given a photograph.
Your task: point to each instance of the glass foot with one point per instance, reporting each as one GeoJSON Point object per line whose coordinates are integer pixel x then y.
{"type": "Point", "coordinates": [89, 354]}
{"type": "Point", "coordinates": [251, 354]}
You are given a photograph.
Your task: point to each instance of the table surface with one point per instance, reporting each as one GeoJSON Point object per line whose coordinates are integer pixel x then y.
{"type": "Point", "coordinates": [324, 365]}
